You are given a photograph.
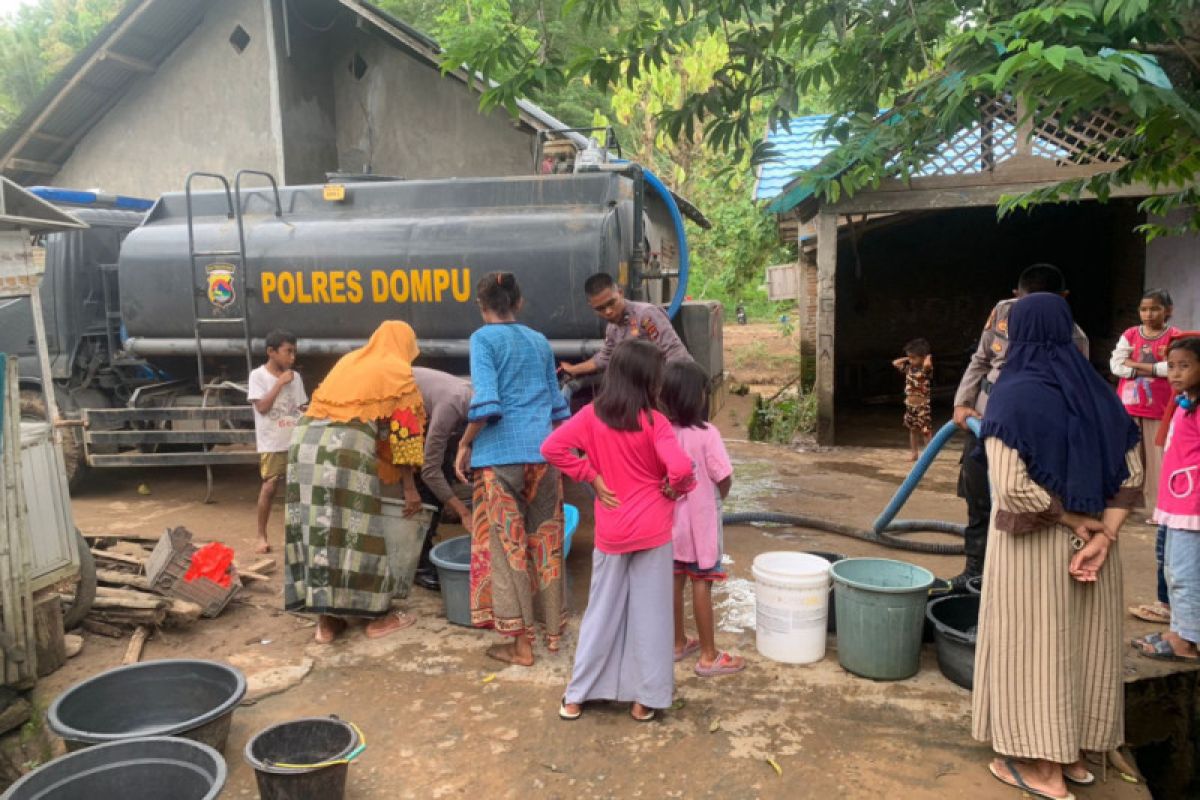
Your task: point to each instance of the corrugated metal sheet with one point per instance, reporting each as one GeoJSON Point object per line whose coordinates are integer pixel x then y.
{"type": "Point", "coordinates": [146, 31]}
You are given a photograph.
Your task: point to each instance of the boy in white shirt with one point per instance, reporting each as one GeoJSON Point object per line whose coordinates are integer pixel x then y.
{"type": "Point", "coordinates": [277, 394]}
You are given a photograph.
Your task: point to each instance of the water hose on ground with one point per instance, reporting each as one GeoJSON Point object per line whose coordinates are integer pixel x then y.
{"type": "Point", "coordinates": [886, 529]}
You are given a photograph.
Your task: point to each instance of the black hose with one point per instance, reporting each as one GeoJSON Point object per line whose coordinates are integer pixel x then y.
{"type": "Point", "coordinates": [888, 537]}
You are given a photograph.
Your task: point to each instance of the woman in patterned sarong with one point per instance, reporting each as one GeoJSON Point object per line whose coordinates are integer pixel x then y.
{"type": "Point", "coordinates": [365, 425]}
{"type": "Point", "coordinates": [517, 524]}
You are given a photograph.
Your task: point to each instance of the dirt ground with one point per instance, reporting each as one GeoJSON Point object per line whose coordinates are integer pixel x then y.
{"type": "Point", "coordinates": [762, 355]}
{"type": "Point", "coordinates": [442, 720]}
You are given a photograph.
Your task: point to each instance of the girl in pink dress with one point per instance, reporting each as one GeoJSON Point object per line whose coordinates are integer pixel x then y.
{"type": "Point", "coordinates": [637, 469]}
{"type": "Point", "coordinates": [697, 533]}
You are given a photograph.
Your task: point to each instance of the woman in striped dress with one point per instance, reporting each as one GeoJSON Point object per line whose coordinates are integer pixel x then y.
{"type": "Point", "coordinates": [1064, 470]}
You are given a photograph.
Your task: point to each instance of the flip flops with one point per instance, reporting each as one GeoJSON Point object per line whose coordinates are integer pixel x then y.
{"type": "Point", "coordinates": [1015, 780]}
{"type": "Point", "coordinates": [402, 621]}
{"type": "Point", "coordinates": [653, 712]}
{"type": "Point", "coordinates": [1158, 648]}
{"type": "Point", "coordinates": [690, 646]}
{"type": "Point", "coordinates": [725, 664]}
{"type": "Point", "coordinates": [1087, 779]}
{"type": "Point", "coordinates": [567, 715]}
{"type": "Point", "coordinates": [1152, 612]}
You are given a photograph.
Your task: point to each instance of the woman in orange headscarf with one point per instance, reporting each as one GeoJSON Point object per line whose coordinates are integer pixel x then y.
{"type": "Point", "coordinates": [365, 425]}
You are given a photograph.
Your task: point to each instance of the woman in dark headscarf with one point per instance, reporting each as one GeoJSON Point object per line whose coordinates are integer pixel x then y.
{"type": "Point", "coordinates": [1064, 470]}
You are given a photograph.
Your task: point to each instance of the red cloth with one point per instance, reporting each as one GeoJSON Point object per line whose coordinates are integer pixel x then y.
{"type": "Point", "coordinates": [635, 464]}
{"type": "Point", "coordinates": [1161, 439]}
{"type": "Point", "coordinates": [213, 562]}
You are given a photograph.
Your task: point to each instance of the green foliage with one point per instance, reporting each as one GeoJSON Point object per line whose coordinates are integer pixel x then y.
{"type": "Point", "coordinates": [781, 419]}
{"type": "Point", "coordinates": [929, 61]}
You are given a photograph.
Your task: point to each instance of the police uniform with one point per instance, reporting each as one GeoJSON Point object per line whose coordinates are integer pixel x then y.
{"type": "Point", "coordinates": [981, 375]}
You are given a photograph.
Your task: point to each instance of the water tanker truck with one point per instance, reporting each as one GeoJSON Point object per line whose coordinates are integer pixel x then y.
{"type": "Point", "coordinates": [152, 343]}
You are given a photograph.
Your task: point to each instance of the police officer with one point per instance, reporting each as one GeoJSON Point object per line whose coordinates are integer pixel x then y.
{"type": "Point", "coordinates": [971, 400]}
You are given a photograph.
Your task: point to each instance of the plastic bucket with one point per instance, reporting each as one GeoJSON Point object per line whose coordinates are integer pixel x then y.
{"type": "Point", "coordinates": [791, 600]}
{"type": "Point", "coordinates": [832, 558]}
{"type": "Point", "coordinates": [279, 755]}
{"type": "Point", "coordinates": [149, 768]}
{"type": "Point", "coordinates": [975, 585]}
{"type": "Point", "coordinates": [172, 697]}
{"type": "Point", "coordinates": [881, 611]}
{"type": "Point", "coordinates": [570, 523]}
{"type": "Point", "coordinates": [405, 537]}
{"type": "Point", "coordinates": [453, 561]}
{"type": "Point", "coordinates": [955, 621]}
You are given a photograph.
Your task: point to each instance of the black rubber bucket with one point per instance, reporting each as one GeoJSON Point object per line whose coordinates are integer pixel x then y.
{"type": "Point", "coordinates": [955, 620]}
{"type": "Point", "coordinates": [832, 558]}
{"type": "Point", "coordinates": [133, 769]}
{"type": "Point", "coordinates": [305, 759]}
{"type": "Point", "coordinates": [189, 698]}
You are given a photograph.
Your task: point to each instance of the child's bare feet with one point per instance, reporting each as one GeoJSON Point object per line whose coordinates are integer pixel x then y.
{"type": "Point", "coordinates": [263, 546]}
{"type": "Point", "coordinates": [513, 653]}
{"type": "Point", "coordinates": [913, 456]}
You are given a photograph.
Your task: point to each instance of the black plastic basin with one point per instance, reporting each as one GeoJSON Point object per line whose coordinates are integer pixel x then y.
{"type": "Point", "coordinates": [190, 698]}
{"type": "Point", "coordinates": [955, 619]}
{"type": "Point", "coordinates": [975, 585]}
{"type": "Point", "coordinates": [134, 769]}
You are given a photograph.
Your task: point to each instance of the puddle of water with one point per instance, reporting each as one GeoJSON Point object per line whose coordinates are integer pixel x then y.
{"type": "Point", "coordinates": [733, 601]}
{"type": "Point", "coordinates": [752, 480]}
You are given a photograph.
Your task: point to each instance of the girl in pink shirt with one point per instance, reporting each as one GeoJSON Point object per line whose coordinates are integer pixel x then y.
{"type": "Point", "coordinates": [697, 534]}
{"type": "Point", "coordinates": [1178, 510]}
{"type": "Point", "coordinates": [637, 469]}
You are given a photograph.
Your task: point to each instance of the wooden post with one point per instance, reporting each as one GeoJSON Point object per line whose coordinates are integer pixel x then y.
{"type": "Point", "coordinates": [48, 627]}
{"type": "Point", "coordinates": [826, 310]}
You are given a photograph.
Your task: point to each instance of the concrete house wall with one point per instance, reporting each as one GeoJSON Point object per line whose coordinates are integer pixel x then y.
{"type": "Point", "coordinates": [1174, 263]}
{"type": "Point", "coordinates": [292, 104]}
{"type": "Point", "coordinates": [207, 107]}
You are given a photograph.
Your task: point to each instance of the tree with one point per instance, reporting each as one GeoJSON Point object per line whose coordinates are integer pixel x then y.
{"type": "Point", "coordinates": [929, 61]}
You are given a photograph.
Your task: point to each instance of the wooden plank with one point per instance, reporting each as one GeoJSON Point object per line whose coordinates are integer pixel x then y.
{"type": "Point", "coordinates": [133, 653]}
{"type": "Point", "coordinates": [974, 196]}
{"type": "Point", "coordinates": [115, 578]}
{"type": "Point", "coordinates": [29, 165]}
{"type": "Point", "coordinates": [48, 627]}
{"type": "Point", "coordinates": [48, 137]}
{"type": "Point", "coordinates": [129, 62]}
{"type": "Point", "coordinates": [827, 240]}
{"type": "Point", "coordinates": [118, 557]}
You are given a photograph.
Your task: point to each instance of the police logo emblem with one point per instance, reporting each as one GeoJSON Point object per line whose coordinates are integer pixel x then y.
{"type": "Point", "coordinates": [220, 285]}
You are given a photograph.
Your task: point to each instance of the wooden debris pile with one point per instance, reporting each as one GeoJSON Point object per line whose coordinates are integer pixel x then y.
{"type": "Point", "coordinates": [126, 600]}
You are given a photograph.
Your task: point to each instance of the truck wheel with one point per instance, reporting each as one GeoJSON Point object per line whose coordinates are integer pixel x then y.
{"type": "Point", "coordinates": [85, 592]}
{"type": "Point", "coordinates": [33, 406]}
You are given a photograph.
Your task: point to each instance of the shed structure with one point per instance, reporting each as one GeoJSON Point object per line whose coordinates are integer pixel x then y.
{"type": "Point", "coordinates": [928, 257]}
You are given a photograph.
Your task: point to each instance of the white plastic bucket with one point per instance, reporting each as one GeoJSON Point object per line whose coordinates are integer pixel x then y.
{"type": "Point", "coordinates": [791, 606]}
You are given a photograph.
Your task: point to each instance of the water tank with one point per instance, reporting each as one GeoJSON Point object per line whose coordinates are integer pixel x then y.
{"type": "Point", "coordinates": [331, 270]}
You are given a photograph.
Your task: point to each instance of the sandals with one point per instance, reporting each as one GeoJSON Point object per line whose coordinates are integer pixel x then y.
{"type": "Point", "coordinates": [653, 712]}
{"type": "Point", "coordinates": [1017, 782]}
{"type": "Point", "coordinates": [567, 715]}
{"type": "Point", "coordinates": [689, 646]}
{"type": "Point", "coordinates": [725, 664]}
{"type": "Point", "coordinates": [1156, 647]}
{"type": "Point", "coordinates": [402, 621]}
{"type": "Point", "coordinates": [1152, 612]}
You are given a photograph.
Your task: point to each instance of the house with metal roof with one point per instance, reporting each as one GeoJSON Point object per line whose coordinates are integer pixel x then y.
{"type": "Point", "coordinates": [297, 88]}
{"type": "Point", "coordinates": [929, 257]}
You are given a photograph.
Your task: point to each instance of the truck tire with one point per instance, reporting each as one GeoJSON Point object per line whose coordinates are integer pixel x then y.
{"type": "Point", "coordinates": [85, 592]}
{"type": "Point", "coordinates": [33, 406]}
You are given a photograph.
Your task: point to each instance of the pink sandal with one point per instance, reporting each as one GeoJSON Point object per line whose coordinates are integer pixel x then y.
{"type": "Point", "coordinates": [689, 646]}
{"type": "Point", "coordinates": [725, 664]}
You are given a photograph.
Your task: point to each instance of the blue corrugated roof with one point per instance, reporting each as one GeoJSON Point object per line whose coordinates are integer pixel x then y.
{"type": "Point", "coordinates": [802, 148]}
{"type": "Point", "coordinates": [799, 147]}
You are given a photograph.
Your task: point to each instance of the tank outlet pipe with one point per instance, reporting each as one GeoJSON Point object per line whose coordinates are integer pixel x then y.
{"type": "Point", "coordinates": [918, 472]}
{"type": "Point", "coordinates": [680, 236]}
{"type": "Point", "coordinates": [433, 348]}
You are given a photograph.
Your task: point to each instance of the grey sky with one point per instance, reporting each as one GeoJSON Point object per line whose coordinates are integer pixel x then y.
{"type": "Point", "coordinates": [7, 7]}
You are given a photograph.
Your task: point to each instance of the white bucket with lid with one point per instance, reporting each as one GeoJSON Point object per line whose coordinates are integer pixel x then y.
{"type": "Point", "coordinates": [791, 606]}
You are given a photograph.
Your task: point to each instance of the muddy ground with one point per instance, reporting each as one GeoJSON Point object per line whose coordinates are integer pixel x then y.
{"type": "Point", "coordinates": [442, 720]}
